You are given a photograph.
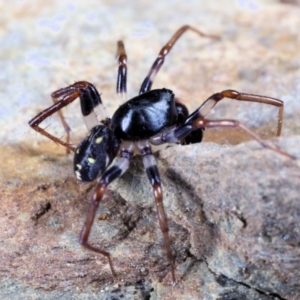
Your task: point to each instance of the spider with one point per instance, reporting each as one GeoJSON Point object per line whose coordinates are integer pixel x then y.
{"type": "Point", "coordinates": [153, 117]}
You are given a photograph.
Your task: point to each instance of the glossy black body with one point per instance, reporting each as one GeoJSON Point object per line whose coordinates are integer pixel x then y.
{"type": "Point", "coordinates": [139, 118]}
{"type": "Point", "coordinates": [145, 115]}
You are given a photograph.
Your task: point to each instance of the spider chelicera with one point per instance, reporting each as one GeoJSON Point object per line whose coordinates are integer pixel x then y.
{"type": "Point", "coordinates": [154, 117]}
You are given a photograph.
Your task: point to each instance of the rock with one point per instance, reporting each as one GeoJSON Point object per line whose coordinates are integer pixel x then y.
{"type": "Point", "coordinates": [242, 205]}
{"type": "Point", "coordinates": [233, 214]}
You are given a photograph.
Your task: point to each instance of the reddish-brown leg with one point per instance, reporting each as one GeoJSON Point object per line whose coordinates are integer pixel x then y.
{"type": "Point", "coordinates": [90, 102]}
{"type": "Point", "coordinates": [68, 95]}
{"type": "Point", "coordinates": [147, 83]}
{"type": "Point", "coordinates": [205, 123]}
{"type": "Point", "coordinates": [204, 109]}
{"type": "Point", "coordinates": [86, 229]}
{"type": "Point", "coordinates": [163, 222]}
{"type": "Point", "coordinates": [120, 165]}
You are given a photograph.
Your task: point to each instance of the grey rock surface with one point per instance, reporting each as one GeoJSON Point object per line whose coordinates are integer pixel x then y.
{"type": "Point", "coordinates": [233, 215]}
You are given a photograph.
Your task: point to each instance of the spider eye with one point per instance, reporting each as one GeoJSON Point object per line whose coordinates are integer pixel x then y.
{"type": "Point", "coordinates": [95, 153]}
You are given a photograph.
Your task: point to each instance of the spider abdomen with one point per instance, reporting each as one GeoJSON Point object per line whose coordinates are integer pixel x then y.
{"type": "Point", "coordinates": [145, 115]}
{"type": "Point", "coordinates": [95, 153]}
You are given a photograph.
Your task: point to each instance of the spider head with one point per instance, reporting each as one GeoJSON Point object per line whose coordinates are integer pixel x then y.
{"type": "Point", "coordinates": [95, 153]}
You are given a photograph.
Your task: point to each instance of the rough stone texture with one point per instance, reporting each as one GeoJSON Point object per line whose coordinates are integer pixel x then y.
{"type": "Point", "coordinates": [233, 211]}
{"type": "Point", "coordinates": [252, 214]}
{"type": "Point", "coordinates": [233, 215]}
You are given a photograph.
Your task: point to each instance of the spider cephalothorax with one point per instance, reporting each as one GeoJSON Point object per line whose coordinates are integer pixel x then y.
{"type": "Point", "coordinates": [154, 117]}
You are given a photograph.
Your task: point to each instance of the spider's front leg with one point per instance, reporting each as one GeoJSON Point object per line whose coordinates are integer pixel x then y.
{"type": "Point", "coordinates": [197, 120]}
{"type": "Point", "coordinates": [91, 108]}
{"type": "Point", "coordinates": [207, 105]}
{"type": "Point", "coordinates": [121, 164]}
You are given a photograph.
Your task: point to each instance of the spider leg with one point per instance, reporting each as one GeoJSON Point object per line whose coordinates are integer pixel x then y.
{"type": "Point", "coordinates": [120, 165]}
{"type": "Point", "coordinates": [147, 83]}
{"type": "Point", "coordinates": [154, 178]}
{"type": "Point", "coordinates": [202, 122]}
{"type": "Point", "coordinates": [176, 134]}
{"type": "Point", "coordinates": [122, 70]}
{"type": "Point", "coordinates": [91, 108]}
{"type": "Point", "coordinates": [208, 104]}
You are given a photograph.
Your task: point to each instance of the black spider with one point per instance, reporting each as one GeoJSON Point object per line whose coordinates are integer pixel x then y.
{"type": "Point", "coordinates": [153, 117]}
